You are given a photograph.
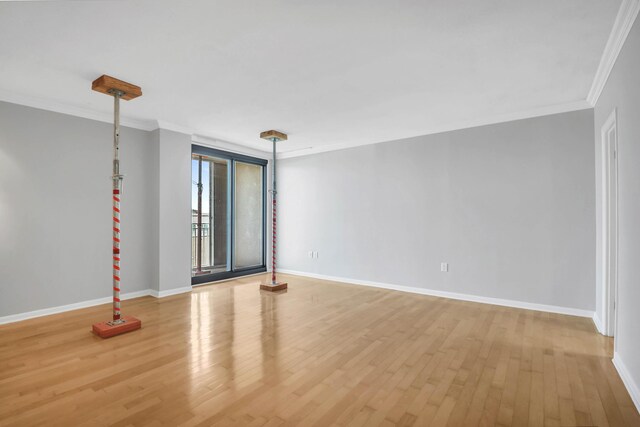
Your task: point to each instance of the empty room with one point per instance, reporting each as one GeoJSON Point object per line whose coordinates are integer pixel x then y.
{"type": "Point", "coordinates": [320, 213]}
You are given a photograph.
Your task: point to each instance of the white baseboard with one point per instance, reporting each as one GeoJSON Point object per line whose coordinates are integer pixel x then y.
{"type": "Point", "coordinates": [169, 292]}
{"type": "Point", "coordinates": [90, 303]}
{"type": "Point", "coordinates": [598, 323]}
{"type": "Point", "coordinates": [62, 308]}
{"type": "Point", "coordinates": [627, 379]}
{"type": "Point", "coordinates": [451, 295]}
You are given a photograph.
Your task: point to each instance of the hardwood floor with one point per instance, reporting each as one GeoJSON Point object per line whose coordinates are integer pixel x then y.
{"type": "Point", "coordinates": [320, 354]}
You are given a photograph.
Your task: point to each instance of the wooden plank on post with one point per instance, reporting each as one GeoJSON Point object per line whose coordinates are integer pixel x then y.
{"type": "Point", "coordinates": [270, 134]}
{"type": "Point", "coordinates": [105, 84]}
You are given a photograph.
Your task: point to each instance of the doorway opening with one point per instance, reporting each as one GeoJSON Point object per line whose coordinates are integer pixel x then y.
{"type": "Point", "coordinates": [609, 136]}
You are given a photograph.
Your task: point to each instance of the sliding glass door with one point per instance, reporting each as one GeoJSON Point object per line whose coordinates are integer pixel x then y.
{"type": "Point", "coordinates": [228, 215]}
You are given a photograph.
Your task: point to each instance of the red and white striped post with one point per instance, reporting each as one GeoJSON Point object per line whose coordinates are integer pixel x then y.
{"type": "Point", "coordinates": [273, 136]}
{"type": "Point", "coordinates": [273, 232]}
{"type": "Point", "coordinates": [119, 90]}
{"type": "Point", "coordinates": [117, 187]}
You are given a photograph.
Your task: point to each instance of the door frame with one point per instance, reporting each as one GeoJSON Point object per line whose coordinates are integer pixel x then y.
{"type": "Point", "coordinates": [609, 138]}
{"type": "Point", "coordinates": [233, 158]}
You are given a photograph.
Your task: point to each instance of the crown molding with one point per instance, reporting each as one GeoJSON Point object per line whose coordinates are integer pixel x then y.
{"type": "Point", "coordinates": [527, 114]}
{"type": "Point", "coordinates": [230, 146]}
{"type": "Point", "coordinates": [162, 124]}
{"type": "Point", "coordinates": [86, 113]}
{"type": "Point", "coordinates": [211, 141]}
{"type": "Point", "coordinates": [624, 21]}
{"type": "Point", "coordinates": [146, 125]}
{"type": "Point", "coordinates": [150, 125]}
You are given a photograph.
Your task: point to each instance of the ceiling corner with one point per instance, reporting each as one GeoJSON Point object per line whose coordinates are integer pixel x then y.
{"type": "Point", "coordinates": [624, 21]}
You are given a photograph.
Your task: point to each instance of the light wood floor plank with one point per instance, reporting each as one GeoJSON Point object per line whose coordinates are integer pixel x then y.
{"type": "Point", "coordinates": [322, 353]}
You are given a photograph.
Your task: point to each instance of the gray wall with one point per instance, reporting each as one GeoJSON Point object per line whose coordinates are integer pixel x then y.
{"type": "Point", "coordinates": [510, 207]}
{"type": "Point", "coordinates": [55, 209]}
{"type": "Point", "coordinates": [622, 92]}
{"type": "Point", "coordinates": [174, 229]}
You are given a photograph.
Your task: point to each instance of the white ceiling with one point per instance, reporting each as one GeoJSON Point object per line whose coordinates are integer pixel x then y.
{"type": "Point", "coordinates": [328, 73]}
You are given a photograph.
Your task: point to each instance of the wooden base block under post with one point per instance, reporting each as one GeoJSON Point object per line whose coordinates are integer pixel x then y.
{"type": "Point", "coordinates": [105, 330]}
{"type": "Point", "coordinates": [278, 286]}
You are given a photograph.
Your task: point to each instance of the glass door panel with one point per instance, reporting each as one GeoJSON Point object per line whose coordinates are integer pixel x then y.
{"type": "Point", "coordinates": [220, 219]}
{"type": "Point", "coordinates": [248, 216]}
{"type": "Point", "coordinates": [209, 215]}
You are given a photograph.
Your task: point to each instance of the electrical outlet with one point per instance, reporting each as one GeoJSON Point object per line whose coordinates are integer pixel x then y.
{"type": "Point", "coordinates": [315, 254]}
{"type": "Point", "coordinates": [444, 266]}
{"type": "Point", "coordinates": [310, 254]}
